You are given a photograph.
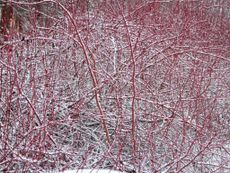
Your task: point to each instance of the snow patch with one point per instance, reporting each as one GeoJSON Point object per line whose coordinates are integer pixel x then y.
{"type": "Point", "coordinates": [91, 171]}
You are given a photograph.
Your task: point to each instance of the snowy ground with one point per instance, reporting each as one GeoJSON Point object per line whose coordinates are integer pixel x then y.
{"type": "Point", "coordinates": [91, 171]}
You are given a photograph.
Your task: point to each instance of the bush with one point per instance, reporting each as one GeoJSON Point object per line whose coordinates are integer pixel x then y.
{"type": "Point", "coordinates": [128, 85]}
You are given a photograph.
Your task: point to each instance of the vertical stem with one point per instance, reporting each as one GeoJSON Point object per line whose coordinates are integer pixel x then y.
{"type": "Point", "coordinates": [133, 85]}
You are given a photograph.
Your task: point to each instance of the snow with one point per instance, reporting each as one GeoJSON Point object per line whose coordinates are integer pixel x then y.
{"type": "Point", "coordinates": [91, 171]}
